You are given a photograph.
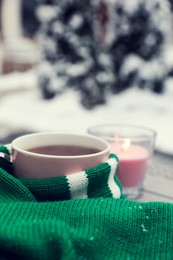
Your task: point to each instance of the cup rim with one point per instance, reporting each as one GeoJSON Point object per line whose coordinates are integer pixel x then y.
{"type": "Point", "coordinates": [23, 151]}
{"type": "Point", "coordinates": [135, 126]}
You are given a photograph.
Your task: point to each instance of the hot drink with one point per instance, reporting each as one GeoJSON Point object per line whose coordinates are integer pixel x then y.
{"type": "Point", "coordinates": [64, 150]}
{"type": "Point", "coordinates": [53, 154]}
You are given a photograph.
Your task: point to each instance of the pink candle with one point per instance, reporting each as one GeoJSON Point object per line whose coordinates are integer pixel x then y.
{"type": "Point", "coordinates": [133, 162]}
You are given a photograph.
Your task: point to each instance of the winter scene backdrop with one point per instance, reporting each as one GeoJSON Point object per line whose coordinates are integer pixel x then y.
{"type": "Point", "coordinates": [98, 62]}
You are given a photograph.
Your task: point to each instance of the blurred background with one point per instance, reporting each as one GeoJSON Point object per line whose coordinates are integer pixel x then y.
{"type": "Point", "coordinates": [66, 65]}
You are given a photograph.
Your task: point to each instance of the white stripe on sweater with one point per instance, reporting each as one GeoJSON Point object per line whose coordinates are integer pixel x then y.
{"type": "Point", "coordinates": [78, 184]}
{"type": "Point", "coordinates": [114, 188]}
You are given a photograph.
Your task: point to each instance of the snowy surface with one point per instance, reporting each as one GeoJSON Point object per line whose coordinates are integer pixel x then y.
{"type": "Point", "coordinates": [22, 107]}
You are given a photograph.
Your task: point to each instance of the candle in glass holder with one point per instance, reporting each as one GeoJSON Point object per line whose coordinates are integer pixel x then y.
{"type": "Point", "coordinates": [134, 146]}
{"type": "Point", "coordinates": [133, 163]}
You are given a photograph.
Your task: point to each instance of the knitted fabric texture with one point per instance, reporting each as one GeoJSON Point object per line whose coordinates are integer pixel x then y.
{"type": "Point", "coordinates": [44, 219]}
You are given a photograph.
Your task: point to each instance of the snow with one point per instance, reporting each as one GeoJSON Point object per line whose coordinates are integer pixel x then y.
{"type": "Point", "coordinates": [76, 21]}
{"type": "Point", "coordinates": [22, 107]}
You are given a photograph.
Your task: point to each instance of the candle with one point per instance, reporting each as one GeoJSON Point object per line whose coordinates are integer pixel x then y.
{"type": "Point", "coordinates": [134, 146]}
{"type": "Point", "coordinates": [133, 163]}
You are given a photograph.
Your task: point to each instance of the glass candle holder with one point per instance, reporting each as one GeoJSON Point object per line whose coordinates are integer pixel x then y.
{"type": "Point", "coordinates": [134, 146]}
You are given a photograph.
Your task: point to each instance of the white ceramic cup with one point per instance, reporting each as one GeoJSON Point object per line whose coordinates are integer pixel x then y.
{"type": "Point", "coordinates": [36, 165]}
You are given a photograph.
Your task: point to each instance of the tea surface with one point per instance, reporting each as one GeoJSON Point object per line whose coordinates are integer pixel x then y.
{"type": "Point", "coordinates": [64, 150]}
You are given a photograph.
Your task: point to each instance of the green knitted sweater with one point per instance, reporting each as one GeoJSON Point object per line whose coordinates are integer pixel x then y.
{"type": "Point", "coordinates": [74, 217]}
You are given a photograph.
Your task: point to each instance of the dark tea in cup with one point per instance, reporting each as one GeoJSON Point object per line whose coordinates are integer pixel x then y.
{"type": "Point", "coordinates": [64, 150]}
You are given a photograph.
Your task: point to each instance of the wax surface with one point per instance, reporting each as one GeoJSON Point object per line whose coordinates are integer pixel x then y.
{"type": "Point", "coordinates": [133, 164]}
{"type": "Point", "coordinates": [132, 153]}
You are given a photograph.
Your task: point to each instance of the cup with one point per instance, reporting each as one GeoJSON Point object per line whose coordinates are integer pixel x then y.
{"type": "Point", "coordinates": [46, 155]}
{"type": "Point", "coordinates": [134, 146]}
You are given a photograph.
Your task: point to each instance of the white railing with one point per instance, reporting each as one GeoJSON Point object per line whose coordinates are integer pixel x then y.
{"type": "Point", "coordinates": [15, 49]}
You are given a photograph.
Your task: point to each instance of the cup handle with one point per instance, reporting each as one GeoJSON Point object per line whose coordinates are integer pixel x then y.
{"type": "Point", "coordinates": [5, 156]}
{"type": "Point", "coordinates": [5, 150]}
{"type": "Point", "coordinates": [5, 160]}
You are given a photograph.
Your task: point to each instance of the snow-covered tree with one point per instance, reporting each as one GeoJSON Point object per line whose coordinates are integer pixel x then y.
{"type": "Point", "coordinates": [140, 38]}
{"type": "Point", "coordinates": [72, 53]}
{"type": "Point", "coordinates": [104, 46]}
